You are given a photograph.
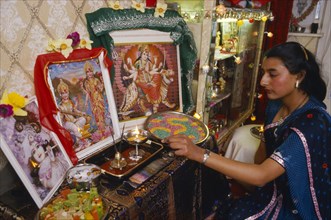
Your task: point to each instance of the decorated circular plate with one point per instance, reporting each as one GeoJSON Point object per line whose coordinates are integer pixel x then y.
{"type": "Point", "coordinates": [164, 124]}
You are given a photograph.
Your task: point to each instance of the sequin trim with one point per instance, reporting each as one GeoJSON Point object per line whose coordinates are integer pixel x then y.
{"type": "Point", "coordinates": [131, 22]}
{"type": "Point", "coordinates": [312, 189]}
{"type": "Point", "coordinates": [278, 159]}
{"type": "Point", "coordinates": [279, 205]}
{"type": "Point", "coordinates": [274, 124]}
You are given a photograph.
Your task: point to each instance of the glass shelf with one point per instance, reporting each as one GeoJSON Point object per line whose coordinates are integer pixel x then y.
{"type": "Point", "coordinates": [297, 34]}
{"type": "Point", "coordinates": [218, 99]}
{"type": "Point", "coordinates": [222, 56]}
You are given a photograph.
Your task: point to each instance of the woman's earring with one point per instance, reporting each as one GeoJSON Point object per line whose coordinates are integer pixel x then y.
{"type": "Point", "coordinates": [297, 84]}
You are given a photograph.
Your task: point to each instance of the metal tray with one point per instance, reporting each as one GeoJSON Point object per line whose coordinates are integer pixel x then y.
{"type": "Point", "coordinates": [104, 158]}
{"type": "Point", "coordinates": [163, 124]}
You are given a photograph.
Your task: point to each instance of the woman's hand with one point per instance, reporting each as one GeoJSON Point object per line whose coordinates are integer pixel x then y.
{"type": "Point", "coordinates": [184, 146]}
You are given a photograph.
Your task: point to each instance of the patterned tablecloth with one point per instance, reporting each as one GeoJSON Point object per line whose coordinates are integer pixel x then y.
{"type": "Point", "coordinates": [171, 193]}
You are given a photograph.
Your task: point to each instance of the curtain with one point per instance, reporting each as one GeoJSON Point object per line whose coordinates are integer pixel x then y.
{"type": "Point", "coordinates": [282, 11]}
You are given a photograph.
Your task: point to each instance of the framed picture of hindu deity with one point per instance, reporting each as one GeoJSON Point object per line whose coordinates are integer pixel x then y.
{"type": "Point", "coordinates": [35, 153]}
{"type": "Point", "coordinates": [83, 95]}
{"type": "Point", "coordinates": [146, 75]}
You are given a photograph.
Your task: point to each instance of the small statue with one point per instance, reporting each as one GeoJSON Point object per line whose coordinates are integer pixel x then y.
{"type": "Point", "coordinates": [218, 39]}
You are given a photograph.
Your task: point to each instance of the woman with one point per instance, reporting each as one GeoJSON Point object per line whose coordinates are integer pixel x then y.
{"type": "Point", "coordinates": [292, 171]}
{"type": "Point", "coordinates": [73, 119]}
{"type": "Point", "coordinates": [93, 86]}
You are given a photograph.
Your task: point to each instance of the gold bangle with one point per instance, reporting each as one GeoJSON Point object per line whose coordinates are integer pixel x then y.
{"type": "Point", "coordinates": [206, 155]}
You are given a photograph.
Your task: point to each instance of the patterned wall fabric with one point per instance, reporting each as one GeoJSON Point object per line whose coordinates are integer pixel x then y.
{"type": "Point", "coordinates": [27, 25]}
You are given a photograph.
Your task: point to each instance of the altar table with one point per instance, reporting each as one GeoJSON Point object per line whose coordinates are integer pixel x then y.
{"type": "Point", "coordinates": [182, 189]}
{"type": "Point", "coordinates": [173, 193]}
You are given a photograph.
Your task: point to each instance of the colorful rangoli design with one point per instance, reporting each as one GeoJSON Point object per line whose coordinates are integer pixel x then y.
{"type": "Point", "coordinates": [162, 125]}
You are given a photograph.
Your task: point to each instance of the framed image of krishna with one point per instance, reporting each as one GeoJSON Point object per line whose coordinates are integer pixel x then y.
{"type": "Point", "coordinates": [35, 153]}
{"type": "Point", "coordinates": [147, 76]}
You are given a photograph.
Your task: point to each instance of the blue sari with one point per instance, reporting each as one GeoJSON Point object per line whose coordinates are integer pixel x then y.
{"type": "Point", "coordinates": [302, 145]}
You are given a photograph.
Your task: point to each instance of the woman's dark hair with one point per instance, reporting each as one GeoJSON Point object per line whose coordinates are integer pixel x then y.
{"type": "Point", "coordinates": [296, 59]}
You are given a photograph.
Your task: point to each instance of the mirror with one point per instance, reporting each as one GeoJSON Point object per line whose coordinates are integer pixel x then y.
{"type": "Point", "coordinates": [234, 56]}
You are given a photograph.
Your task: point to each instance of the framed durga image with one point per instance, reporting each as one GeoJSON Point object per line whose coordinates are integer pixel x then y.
{"type": "Point", "coordinates": [147, 75]}
{"type": "Point", "coordinates": [83, 95]}
{"type": "Point", "coordinates": [35, 153]}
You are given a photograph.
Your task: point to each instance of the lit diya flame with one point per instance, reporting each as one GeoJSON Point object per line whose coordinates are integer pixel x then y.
{"type": "Point", "coordinates": [137, 136]}
{"type": "Point", "coordinates": [136, 131]}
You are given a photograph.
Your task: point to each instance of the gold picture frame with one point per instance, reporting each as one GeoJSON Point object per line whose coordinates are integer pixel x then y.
{"type": "Point", "coordinates": [146, 75]}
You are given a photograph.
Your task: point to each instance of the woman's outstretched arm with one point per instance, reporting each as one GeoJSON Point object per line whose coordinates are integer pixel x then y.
{"type": "Point", "coordinates": [254, 174]}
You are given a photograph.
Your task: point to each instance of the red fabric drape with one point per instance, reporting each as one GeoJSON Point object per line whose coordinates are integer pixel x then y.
{"type": "Point", "coordinates": [46, 103]}
{"type": "Point", "coordinates": [248, 3]}
{"type": "Point", "coordinates": [282, 11]}
{"type": "Point", "coordinates": [150, 3]}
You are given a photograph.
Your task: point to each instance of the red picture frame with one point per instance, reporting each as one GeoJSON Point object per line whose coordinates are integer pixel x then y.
{"type": "Point", "coordinates": [87, 121]}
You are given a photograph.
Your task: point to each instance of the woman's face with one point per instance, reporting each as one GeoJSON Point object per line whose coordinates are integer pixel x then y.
{"type": "Point", "coordinates": [144, 55]}
{"type": "Point", "coordinates": [277, 80]}
{"type": "Point", "coordinates": [89, 73]}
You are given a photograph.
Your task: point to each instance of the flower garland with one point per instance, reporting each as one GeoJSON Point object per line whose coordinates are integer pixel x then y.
{"type": "Point", "coordinates": [73, 41]}
{"type": "Point", "coordinates": [66, 46]}
{"type": "Point", "coordinates": [160, 8]}
{"type": "Point", "coordinates": [295, 21]}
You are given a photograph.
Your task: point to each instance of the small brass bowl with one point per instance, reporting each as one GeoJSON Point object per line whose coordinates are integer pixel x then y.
{"type": "Point", "coordinates": [83, 176]}
{"type": "Point", "coordinates": [136, 136]}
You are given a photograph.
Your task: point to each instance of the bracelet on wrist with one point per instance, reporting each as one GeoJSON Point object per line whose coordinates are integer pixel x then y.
{"type": "Point", "coordinates": [206, 155]}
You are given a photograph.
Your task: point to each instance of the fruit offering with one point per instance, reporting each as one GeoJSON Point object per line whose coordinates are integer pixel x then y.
{"type": "Point", "coordinates": [74, 205]}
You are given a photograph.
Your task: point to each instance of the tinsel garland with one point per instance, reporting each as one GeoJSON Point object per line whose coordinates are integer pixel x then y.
{"type": "Point", "coordinates": [295, 21]}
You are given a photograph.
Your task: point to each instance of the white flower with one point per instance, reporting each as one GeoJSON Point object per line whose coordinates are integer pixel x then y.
{"type": "Point", "coordinates": [115, 5]}
{"type": "Point", "coordinates": [51, 45]}
{"type": "Point", "coordinates": [160, 9]}
{"type": "Point", "coordinates": [85, 44]}
{"type": "Point", "coordinates": [138, 6]}
{"type": "Point", "coordinates": [64, 46]}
